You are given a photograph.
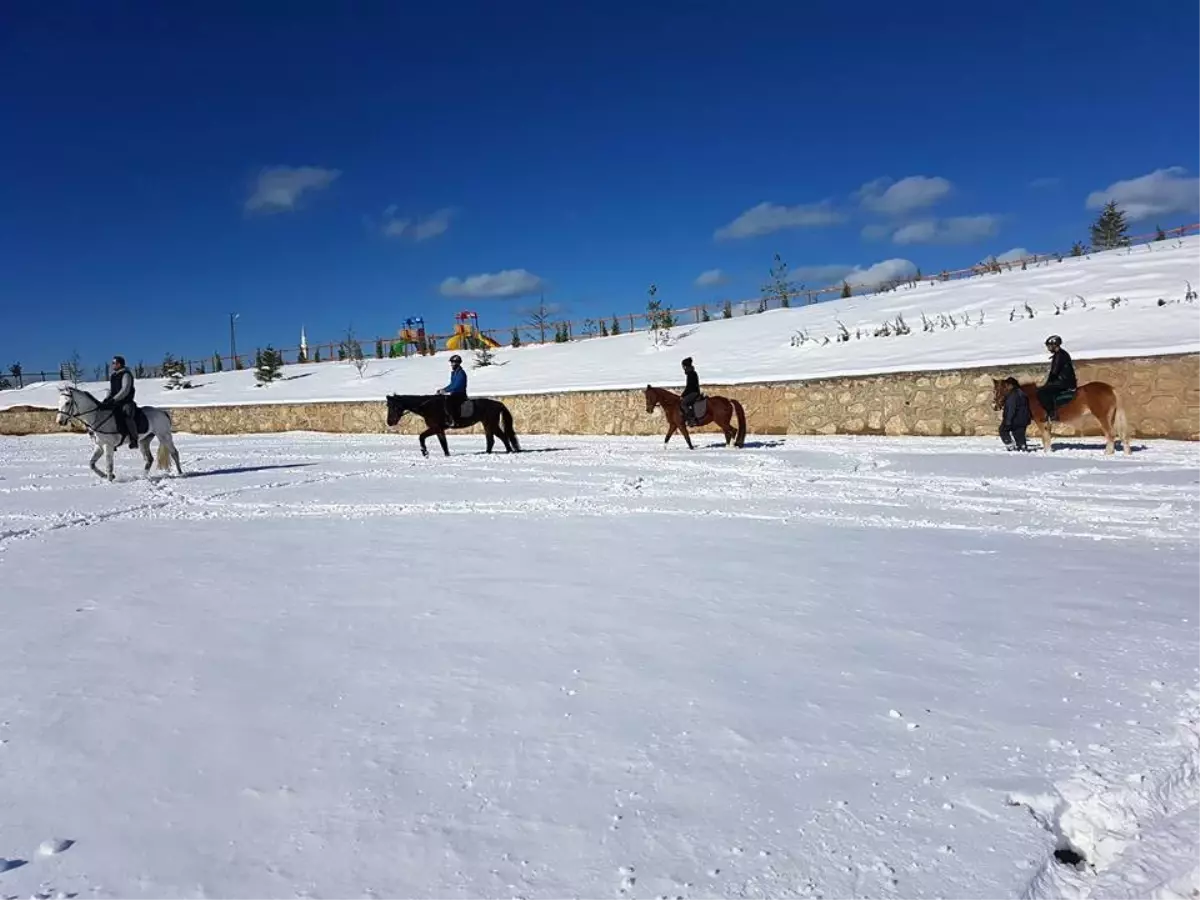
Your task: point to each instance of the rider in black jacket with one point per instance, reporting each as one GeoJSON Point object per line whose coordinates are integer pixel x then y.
{"type": "Point", "coordinates": [691, 392]}
{"type": "Point", "coordinates": [1061, 377]}
{"type": "Point", "coordinates": [120, 400]}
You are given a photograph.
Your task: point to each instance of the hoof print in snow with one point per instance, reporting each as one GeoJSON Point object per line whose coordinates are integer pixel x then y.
{"type": "Point", "coordinates": [1069, 856]}
{"type": "Point", "coordinates": [9, 864]}
{"type": "Point", "coordinates": [53, 846]}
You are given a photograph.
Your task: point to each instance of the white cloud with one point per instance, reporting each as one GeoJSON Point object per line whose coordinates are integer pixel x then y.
{"type": "Point", "coordinates": [1014, 255]}
{"type": "Point", "coordinates": [955, 230]}
{"type": "Point", "coordinates": [509, 283]}
{"type": "Point", "coordinates": [770, 217]}
{"type": "Point", "coordinates": [821, 275]}
{"type": "Point", "coordinates": [711, 278]}
{"type": "Point", "coordinates": [897, 198]}
{"type": "Point", "coordinates": [1161, 193]}
{"type": "Point", "coordinates": [881, 272]}
{"type": "Point", "coordinates": [279, 188]}
{"type": "Point", "coordinates": [417, 229]}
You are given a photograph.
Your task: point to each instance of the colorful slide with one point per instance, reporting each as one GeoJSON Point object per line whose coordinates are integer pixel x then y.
{"type": "Point", "coordinates": [467, 335]}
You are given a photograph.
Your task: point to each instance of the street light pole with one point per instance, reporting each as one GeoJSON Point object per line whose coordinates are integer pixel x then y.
{"type": "Point", "coordinates": [232, 341]}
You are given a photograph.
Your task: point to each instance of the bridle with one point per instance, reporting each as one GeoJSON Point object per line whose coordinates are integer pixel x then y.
{"type": "Point", "coordinates": [71, 413]}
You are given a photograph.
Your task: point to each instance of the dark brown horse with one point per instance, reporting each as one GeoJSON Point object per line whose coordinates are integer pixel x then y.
{"type": "Point", "coordinates": [719, 411]}
{"type": "Point", "coordinates": [1095, 397]}
{"type": "Point", "coordinates": [493, 415]}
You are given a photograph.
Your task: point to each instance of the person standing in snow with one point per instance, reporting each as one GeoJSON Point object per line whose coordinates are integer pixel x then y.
{"type": "Point", "coordinates": [120, 400]}
{"type": "Point", "coordinates": [1016, 416]}
{"type": "Point", "coordinates": [456, 391]}
{"type": "Point", "coordinates": [1060, 379]}
{"type": "Point", "coordinates": [691, 392]}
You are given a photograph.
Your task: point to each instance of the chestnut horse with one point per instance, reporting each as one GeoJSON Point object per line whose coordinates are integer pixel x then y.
{"type": "Point", "coordinates": [720, 411]}
{"type": "Point", "coordinates": [1095, 397]}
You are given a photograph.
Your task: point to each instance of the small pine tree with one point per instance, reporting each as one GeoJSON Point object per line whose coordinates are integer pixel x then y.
{"type": "Point", "coordinates": [172, 370]}
{"type": "Point", "coordinates": [1110, 230]}
{"type": "Point", "coordinates": [778, 287]}
{"type": "Point", "coordinates": [516, 337]}
{"type": "Point", "coordinates": [379, 348]}
{"type": "Point", "coordinates": [658, 320]}
{"type": "Point", "coordinates": [727, 310]}
{"type": "Point", "coordinates": [846, 290]}
{"type": "Point", "coordinates": [589, 328]}
{"type": "Point", "coordinates": [704, 316]}
{"type": "Point", "coordinates": [317, 355]}
{"type": "Point", "coordinates": [139, 371]}
{"type": "Point", "coordinates": [267, 364]}
{"type": "Point", "coordinates": [1159, 234]}
{"type": "Point", "coordinates": [351, 349]}
{"type": "Point", "coordinates": [15, 371]}
{"type": "Point", "coordinates": [484, 356]}
{"type": "Point", "coordinates": [615, 329]}
{"type": "Point", "coordinates": [218, 366]}
{"type": "Point", "coordinates": [1077, 249]}
{"type": "Point", "coordinates": [603, 328]}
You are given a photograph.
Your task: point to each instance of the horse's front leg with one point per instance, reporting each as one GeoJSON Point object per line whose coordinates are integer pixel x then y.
{"type": "Point", "coordinates": [108, 461]}
{"type": "Point", "coordinates": [670, 431]}
{"type": "Point", "coordinates": [441, 436]}
{"type": "Point", "coordinates": [1044, 430]}
{"type": "Point", "coordinates": [95, 456]}
{"type": "Point", "coordinates": [422, 437]}
{"type": "Point", "coordinates": [683, 429]}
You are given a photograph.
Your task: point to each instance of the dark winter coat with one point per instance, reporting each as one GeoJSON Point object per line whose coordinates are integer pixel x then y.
{"type": "Point", "coordinates": [693, 383]}
{"type": "Point", "coordinates": [1016, 411]}
{"type": "Point", "coordinates": [120, 387]}
{"type": "Point", "coordinates": [1062, 370]}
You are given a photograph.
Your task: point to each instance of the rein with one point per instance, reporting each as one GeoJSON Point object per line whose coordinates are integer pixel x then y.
{"type": "Point", "coordinates": [73, 415]}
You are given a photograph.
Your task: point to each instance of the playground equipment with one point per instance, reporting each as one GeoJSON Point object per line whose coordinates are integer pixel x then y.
{"type": "Point", "coordinates": [413, 333]}
{"type": "Point", "coordinates": [467, 335]}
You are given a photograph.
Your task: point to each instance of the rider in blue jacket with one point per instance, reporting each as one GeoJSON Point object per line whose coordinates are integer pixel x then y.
{"type": "Point", "coordinates": [456, 391]}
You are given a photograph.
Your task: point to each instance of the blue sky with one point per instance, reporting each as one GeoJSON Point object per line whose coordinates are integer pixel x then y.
{"type": "Point", "coordinates": [317, 164]}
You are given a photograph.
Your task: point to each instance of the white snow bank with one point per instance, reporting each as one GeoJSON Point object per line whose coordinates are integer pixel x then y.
{"type": "Point", "coordinates": [982, 321]}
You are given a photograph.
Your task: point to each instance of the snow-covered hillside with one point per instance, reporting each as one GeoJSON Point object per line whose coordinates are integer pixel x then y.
{"type": "Point", "coordinates": [992, 319]}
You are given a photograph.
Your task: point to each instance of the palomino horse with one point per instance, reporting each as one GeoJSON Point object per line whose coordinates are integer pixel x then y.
{"type": "Point", "coordinates": [78, 405]}
{"type": "Point", "coordinates": [719, 411]}
{"type": "Point", "coordinates": [1095, 397]}
{"type": "Point", "coordinates": [493, 415]}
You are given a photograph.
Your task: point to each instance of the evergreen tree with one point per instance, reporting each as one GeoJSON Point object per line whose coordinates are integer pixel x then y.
{"type": "Point", "coordinates": [1110, 230]}
{"type": "Point", "coordinates": [379, 348]}
{"type": "Point", "coordinates": [616, 327]}
{"type": "Point", "coordinates": [1077, 249]}
{"type": "Point", "coordinates": [603, 328]}
{"type": "Point", "coordinates": [704, 316]}
{"type": "Point", "coordinates": [15, 371]}
{"type": "Point", "coordinates": [317, 355]}
{"type": "Point", "coordinates": [516, 337]}
{"type": "Point", "coordinates": [778, 287]}
{"type": "Point", "coordinates": [727, 310]}
{"type": "Point", "coordinates": [217, 364]}
{"type": "Point", "coordinates": [267, 364]}
{"type": "Point", "coordinates": [846, 291]}
{"type": "Point", "coordinates": [1159, 234]}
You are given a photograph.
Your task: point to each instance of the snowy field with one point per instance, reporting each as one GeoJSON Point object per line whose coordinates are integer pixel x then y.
{"type": "Point", "coordinates": [1104, 306]}
{"type": "Point", "coordinates": [820, 667]}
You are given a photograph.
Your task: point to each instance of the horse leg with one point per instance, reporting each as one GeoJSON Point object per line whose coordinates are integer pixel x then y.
{"type": "Point", "coordinates": [687, 437]}
{"type": "Point", "coordinates": [95, 456]}
{"type": "Point", "coordinates": [441, 436]}
{"type": "Point", "coordinates": [422, 436]}
{"type": "Point", "coordinates": [108, 461]}
{"type": "Point", "coordinates": [489, 437]}
{"type": "Point", "coordinates": [169, 442]}
{"type": "Point", "coordinates": [670, 431]}
{"type": "Point", "coordinates": [1106, 426]}
{"type": "Point", "coordinates": [144, 446]}
{"type": "Point", "coordinates": [1044, 431]}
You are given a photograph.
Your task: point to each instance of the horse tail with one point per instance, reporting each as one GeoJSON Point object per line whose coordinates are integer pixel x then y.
{"type": "Point", "coordinates": [506, 422]}
{"type": "Point", "coordinates": [740, 439]}
{"type": "Point", "coordinates": [163, 456]}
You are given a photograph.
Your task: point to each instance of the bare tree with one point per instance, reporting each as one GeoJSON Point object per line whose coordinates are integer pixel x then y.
{"type": "Point", "coordinates": [539, 317]}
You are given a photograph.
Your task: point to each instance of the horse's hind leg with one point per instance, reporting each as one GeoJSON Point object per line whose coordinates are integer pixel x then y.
{"type": "Point", "coordinates": [489, 437]}
{"type": "Point", "coordinates": [170, 443]}
{"type": "Point", "coordinates": [144, 446]}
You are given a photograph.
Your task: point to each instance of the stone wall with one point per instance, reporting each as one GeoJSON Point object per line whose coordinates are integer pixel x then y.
{"type": "Point", "coordinates": [1161, 397]}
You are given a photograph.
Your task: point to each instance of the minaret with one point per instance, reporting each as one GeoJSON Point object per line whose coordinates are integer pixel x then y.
{"type": "Point", "coordinates": [303, 344]}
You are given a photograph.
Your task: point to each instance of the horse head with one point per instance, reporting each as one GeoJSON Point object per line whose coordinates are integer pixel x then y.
{"type": "Point", "coordinates": [66, 404]}
{"type": "Point", "coordinates": [998, 394]}
{"type": "Point", "coordinates": [651, 399]}
{"type": "Point", "coordinates": [395, 409]}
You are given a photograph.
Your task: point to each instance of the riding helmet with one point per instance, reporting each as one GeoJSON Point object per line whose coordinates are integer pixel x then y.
{"type": "Point", "coordinates": [1054, 341]}
{"type": "Point", "coordinates": [456, 359]}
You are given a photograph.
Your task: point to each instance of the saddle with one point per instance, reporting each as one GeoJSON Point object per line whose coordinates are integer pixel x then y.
{"type": "Point", "coordinates": [1062, 398]}
{"type": "Point", "coordinates": [699, 408]}
{"type": "Point", "coordinates": [466, 409]}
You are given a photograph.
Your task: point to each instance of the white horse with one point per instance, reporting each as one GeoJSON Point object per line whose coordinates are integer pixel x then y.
{"type": "Point", "coordinates": [78, 405]}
